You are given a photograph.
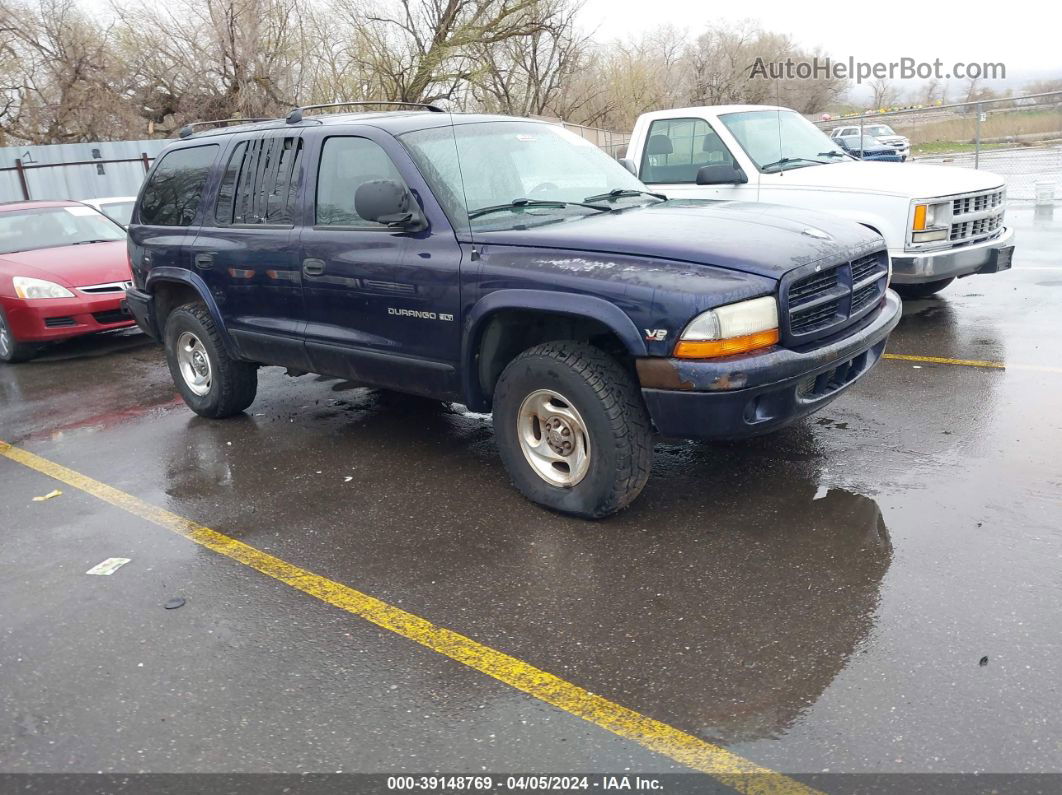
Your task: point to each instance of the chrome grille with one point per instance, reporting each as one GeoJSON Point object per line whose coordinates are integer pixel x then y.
{"type": "Point", "coordinates": [818, 303]}
{"type": "Point", "coordinates": [976, 217]}
{"type": "Point", "coordinates": [978, 228]}
{"type": "Point", "coordinates": [103, 289]}
{"type": "Point", "coordinates": [977, 203]}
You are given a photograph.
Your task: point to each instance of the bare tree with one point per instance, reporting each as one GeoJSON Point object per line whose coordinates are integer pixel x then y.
{"type": "Point", "coordinates": [214, 58]}
{"type": "Point", "coordinates": [152, 65]}
{"type": "Point", "coordinates": [722, 62]}
{"type": "Point", "coordinates": [423, 51]}
{"type": "Point", "coordinates": [884, 92]}
{"type": "Point", "coordinates": [60, 82]}
{"type": "Point", "coordinates": [528, 75]}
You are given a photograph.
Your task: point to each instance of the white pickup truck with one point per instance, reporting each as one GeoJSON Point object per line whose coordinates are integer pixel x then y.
{"type": "Point", "coordinates": [939, 222]}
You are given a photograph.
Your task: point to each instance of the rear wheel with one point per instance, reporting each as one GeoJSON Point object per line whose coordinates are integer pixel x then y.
{"type": "Point", "coordinates": [212, 383]}
{"type": "Point", "coordinates": [572, 429]}
{"type": "Point", "coordinates": [11, 350]}
{"type": "Point", "coordinates": [923, 290]}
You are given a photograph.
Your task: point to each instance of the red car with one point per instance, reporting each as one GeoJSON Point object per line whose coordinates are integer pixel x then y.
{"type": "Point", "coordinates": [63, 273]}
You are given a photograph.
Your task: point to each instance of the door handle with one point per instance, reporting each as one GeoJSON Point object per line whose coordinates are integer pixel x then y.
{"type": "Point", "coordinates": [204, 260]}
{"type": "Point", "coordinates": [313, 267]}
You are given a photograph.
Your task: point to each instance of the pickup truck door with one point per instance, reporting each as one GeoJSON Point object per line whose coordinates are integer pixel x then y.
{"type": "Point", "coordinates": [676, 149]}
{"type": "Point", "coordinates": [382, 304]}
{"type": "Point", "coordinates": [245, 252]}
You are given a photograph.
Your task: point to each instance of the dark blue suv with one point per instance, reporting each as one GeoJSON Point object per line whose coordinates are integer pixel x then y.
{"type": "Point", "coordinates": [508, 265]}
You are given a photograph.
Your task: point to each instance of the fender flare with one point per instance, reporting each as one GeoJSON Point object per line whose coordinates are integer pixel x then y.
{"type": "Point", "coordinates": [170, 275]}
{"type": "Point", "coordinates": [573, 304]}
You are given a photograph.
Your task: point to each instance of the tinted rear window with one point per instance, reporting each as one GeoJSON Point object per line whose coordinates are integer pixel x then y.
{"type": "Point", "coordinates": [171, 196]}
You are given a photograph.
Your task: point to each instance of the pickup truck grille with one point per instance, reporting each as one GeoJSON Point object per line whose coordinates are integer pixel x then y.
{"type": "Point", "coordinates": [976, 217]}
{"type": "Point", "coordinates": [820, 303]}
{"type": "Point", "coordinates": [976, 203]}
{"type": "Point", "coordinates": [977, 228]}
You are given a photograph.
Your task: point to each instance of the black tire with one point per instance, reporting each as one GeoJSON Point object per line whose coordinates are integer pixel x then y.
{"type": "Point", "coordinates": [11, 350]}
{"type": "Point", "coordinates": [923, 290]}
{"type": "Point", "coordinates": [232, 384]}
{"type": "Point", "coordinates": [617, 424]}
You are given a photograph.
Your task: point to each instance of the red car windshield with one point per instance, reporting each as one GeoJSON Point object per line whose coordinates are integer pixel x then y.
{"type": "Point", "coordinates": [47, 227]}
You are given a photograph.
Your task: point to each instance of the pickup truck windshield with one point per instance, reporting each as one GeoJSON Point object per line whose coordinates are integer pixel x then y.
{"type": "Point", "coordinates": [48, 227]}
{"type": "Point", "coordinates": [542, 171]}
{"type": "Point", "coordinates": [781, 140]}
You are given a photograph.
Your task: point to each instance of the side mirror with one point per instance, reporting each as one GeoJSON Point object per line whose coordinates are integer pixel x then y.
{"type": "Point", "coordinates": [721, 174]}
{"type": "Point", "coordinates": [628, 164]}
{"type": "Point", "coordinates": [386, 202]}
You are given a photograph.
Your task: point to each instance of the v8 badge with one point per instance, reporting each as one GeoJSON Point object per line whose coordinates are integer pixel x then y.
{"type": "Point", "coordinates": [656, 334]}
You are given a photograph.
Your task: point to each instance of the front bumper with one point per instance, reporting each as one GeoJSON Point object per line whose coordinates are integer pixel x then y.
{"type": "Point", "coordinates": [749, 395]}
{"type": "Point", "coordinates": [991, 256]}
{"type": "Point", "coordinates": [49, 319]}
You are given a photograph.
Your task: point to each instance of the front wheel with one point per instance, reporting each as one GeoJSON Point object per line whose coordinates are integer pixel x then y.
{"type": "Point", "coordinates": [11, 350]}
{"type": "Point", "coordinates": [212, 383]}
{"type": "Point", "coordinates": [572, 429]}
{"type": "Point", "coordinates": [923, 290]}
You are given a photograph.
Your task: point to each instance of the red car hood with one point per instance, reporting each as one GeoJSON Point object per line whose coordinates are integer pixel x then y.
{"type": "Point", "coordinates": [72, 266]}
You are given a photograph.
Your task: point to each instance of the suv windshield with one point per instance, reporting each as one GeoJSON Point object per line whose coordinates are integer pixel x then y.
{"type": "Point", "coordinates": [519, 174]}
{"type": "Point", "coordinates": [24, 230]}
{"type": "Point", "coordinates": [781, 140]}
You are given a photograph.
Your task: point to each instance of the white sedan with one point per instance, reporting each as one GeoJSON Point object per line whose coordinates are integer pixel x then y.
{"type": "Point", "coordinates": [118, 208]}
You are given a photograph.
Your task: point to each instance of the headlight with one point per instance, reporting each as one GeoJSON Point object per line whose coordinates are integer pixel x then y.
{"type": "Point", "coordinates": [28, 287]}
{"type": "Point", "coordinates": [929, 216]}
{"type": "Point", "coordinates": [731, 329]}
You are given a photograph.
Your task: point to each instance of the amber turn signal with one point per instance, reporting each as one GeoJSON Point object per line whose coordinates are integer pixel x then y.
{"type": "Point", "coordinates": [919, 218]}
{"type": "Point", "coordinates": [710, 349]}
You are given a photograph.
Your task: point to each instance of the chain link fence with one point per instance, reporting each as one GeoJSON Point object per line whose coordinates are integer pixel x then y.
{"type": "Point", "coordinates": [1019, 138]}
{"type": "Point", "coordinates": [614, 143]}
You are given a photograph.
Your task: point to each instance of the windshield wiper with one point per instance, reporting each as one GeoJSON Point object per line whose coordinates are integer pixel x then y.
{"type": "Point", "coordinates": [831, 154]}
{"type": "Point", "coordinates": [785, 161]}
{"type": "Point", "coordinates": [619, 193]}
{"type": "Point", "coordinates": [520, 204]}
{"type": "Point", "coordinates": [83, 242]}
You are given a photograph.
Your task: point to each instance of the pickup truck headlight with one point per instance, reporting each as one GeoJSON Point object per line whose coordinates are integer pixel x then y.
{"type": "Point", "coordinates": [729, 330]}
{"type": "Point", "coordinates": [28, 287]}
{"type": "Point", "coordinates": [929, 223]}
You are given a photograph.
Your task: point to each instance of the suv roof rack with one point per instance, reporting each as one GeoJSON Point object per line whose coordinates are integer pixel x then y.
{"type": "Point", "coordinates": [189, 129]}
{"type": "Point", "coordinates": [296, 114]}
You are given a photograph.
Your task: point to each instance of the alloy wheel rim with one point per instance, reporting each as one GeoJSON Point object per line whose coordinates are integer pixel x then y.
{"type": "Point", "coordinates": [553, 438]}
{"type": "Point", "coordinates": [194, 363]}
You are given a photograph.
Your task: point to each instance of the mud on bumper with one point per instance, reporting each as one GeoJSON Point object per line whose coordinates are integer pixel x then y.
{"type": "Point", "coordinates": [749, 395]}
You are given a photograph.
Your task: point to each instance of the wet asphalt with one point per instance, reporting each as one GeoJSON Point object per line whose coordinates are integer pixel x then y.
{"type": "Point", "coordinates": [816, 600]}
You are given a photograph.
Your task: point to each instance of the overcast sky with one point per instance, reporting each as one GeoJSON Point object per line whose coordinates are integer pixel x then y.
{"type": "Point", "coordinates": [1021, 34]}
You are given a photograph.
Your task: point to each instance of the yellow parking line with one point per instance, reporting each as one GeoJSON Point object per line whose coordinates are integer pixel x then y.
{"type": "Point", "coordinates": [1032, 368]}
{"type": "Point", "coordinates": [940, 360]}
{"type": "Point", "coordinates": [733, 770]}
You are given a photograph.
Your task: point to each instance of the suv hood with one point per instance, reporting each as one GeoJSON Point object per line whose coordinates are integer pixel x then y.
{"type": "Point", "coordinates": [72, 266]}
{"type": "Point", "coordinates": [910, 180]}
{"type": "Point", "coordinates": [763, 239]}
